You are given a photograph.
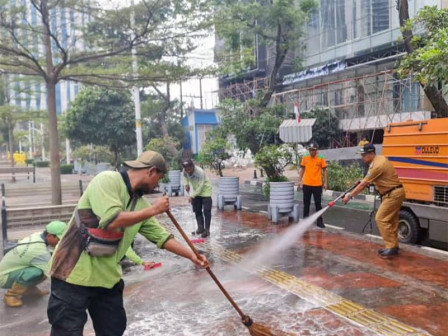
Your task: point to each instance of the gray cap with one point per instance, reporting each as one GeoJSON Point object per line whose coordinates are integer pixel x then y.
{"type": "Point", "coordinates": [148, 159]}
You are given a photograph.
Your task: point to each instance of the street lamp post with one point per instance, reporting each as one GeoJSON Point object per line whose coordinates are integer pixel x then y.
{"type": "Point", "coordinates": [31, 131]}
{"type": "Point", "coordinates": [135, 91]}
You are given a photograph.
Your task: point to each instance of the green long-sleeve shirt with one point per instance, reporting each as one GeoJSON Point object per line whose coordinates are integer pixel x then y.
{"type": "Point", "coordinates": [133, 256]}
{"type": "Point", "coordinates": [199, 181]}
{"type": "Point", "coordinates": [32, 251]}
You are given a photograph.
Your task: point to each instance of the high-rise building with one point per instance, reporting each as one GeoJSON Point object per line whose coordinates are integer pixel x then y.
{"type": "Point", "coordinates": [65, 22]}
{"type": "Point", "coordinates": [349, 54]}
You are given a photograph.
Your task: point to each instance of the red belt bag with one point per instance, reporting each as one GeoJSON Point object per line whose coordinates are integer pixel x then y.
{"type": "Point", "coordinates": [99, 242]}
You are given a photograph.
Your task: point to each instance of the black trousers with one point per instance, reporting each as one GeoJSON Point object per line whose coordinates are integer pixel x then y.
{"type": "Point", "coordinates": [68, 304]}
{"type": "Point", "coordinates": [202, 208]}
{"type": "Point", "coordinates": [316, 192]}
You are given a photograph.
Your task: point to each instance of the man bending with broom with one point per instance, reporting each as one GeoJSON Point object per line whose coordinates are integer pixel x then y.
{"type": "Point", "coordinates": [85, 271]}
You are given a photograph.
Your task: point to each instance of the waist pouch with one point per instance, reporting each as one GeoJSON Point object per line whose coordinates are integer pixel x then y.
{"type": "Point", "coordinates": [98, 242]}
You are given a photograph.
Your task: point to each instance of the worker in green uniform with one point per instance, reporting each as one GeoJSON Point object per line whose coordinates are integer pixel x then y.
{"type": "Point", "coordinates": [135, 258]}
{"type": "Point", "coordinates": [385, 179]}
{"type": "Point", "coordinates": [201, 198]}
{"type": "Point", "coordinates": [85, 271]}
{"type": "Point", "coordinates": [27, 264]}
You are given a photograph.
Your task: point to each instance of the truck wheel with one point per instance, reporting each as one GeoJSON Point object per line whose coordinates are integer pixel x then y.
{"type": "Point", "coordinates": [408, 228]}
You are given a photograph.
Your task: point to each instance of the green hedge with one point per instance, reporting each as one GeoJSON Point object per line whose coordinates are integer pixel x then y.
{"type": "Point", "coordinates": [341, 178]}
{"type": "Point", "coordinates": [29, 162]}
{"type": "Point", "coordinates": [42, 164]}
{"type": "Point", "coordinates": [67, 168]}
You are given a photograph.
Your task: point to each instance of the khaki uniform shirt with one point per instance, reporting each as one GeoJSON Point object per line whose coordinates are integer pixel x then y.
{"type": "Point", "coordinates": [382, 174]}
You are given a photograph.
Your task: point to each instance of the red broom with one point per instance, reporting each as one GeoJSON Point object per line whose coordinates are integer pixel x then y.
{"type": "Point", "coordinates": [255, 329]}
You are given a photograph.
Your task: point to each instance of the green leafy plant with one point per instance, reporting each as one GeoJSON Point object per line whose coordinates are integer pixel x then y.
{"type": "Point", "coordinates": [102, 117]}
{"type": "Point", "coordinates": [341, 178]}
{"type": "Point", "coordinates": [42, 164]}
{"type": "Point", "coordinates": [67, 168]}
{"type": "Point", "coordinates": [213, 153]}
{"type": "Point", "coordinates": [326, 127]}
{"type": "Point", "coordinates": [82, 154]}
{"type": "Point", "coordinates": [273, 160]}
{"type": "Point", "coordinates": [168, 147]}
{"type": "Point", "coordinates": [253, 125]}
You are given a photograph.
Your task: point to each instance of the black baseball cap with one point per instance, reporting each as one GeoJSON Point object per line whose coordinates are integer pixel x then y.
{"type": "Point", "coordinates": [187, 163]}
{"type": "Point", "coordinates": [368, 148]}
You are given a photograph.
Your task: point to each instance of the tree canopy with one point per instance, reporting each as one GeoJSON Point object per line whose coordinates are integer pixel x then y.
{"type": "Point", "coordinates": [79, 40]}
{"type": "Point", "coordinates": [102, 116]}
{"type": "Point", "coordinates": [425, 39]}
{"type": "Point", "coordinates": [278, 24]}
{"type": "Point", "coordinates": [429, 60]}
{"type": "Point", "coordinates": [251, 130]}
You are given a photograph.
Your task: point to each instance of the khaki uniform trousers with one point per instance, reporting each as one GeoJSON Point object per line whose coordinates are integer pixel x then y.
{"type": "Point", "coordinates": [387, 217]}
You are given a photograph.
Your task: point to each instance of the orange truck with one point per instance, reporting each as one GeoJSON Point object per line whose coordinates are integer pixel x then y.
{"type": "Point", "coordinates": [419, 152]}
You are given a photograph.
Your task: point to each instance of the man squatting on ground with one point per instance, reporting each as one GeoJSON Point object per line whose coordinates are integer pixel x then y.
{"type": "Point", "coordinates": [81, 281]}
{"type": "Point", "coordinates": [27, 264]}
{"type": "Point", "coordinates": [201, 199]}
{"type": "Point", "coordinates": [382, 174]}
{"type": "Point", "coordinates": [310, 180]}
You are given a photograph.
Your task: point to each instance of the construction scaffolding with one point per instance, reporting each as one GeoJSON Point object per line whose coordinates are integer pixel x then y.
{"type": "Point", "coordinates": [360, 103]}
{"type": "Point", "coordinates": [245, 90]}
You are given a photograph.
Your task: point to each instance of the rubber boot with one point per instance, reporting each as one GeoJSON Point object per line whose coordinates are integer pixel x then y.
{"type": "Point", "coordinates": [12, 295]}
{"type": "Point", "coordinates": [200, 222]}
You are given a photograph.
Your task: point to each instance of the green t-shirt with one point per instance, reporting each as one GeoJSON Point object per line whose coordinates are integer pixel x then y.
{"type": "Point", "coordinates": [30, 252]}
{"type": "Point", "coordinates": [106, 196]}
{"type": "Point", "coordinates": [199, 181]}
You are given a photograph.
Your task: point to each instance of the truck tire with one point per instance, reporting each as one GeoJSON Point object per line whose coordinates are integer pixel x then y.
{"type": "Point", "coordinates": [409, 230]}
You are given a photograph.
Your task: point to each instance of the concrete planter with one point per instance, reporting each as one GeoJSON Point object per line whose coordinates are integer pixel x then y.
{"type": "Point", "coordinates": [281, 201]}
{"type": "Point", "coordinates": [229, 192]}
{"type": "Point", "coordinates": [174, 185]}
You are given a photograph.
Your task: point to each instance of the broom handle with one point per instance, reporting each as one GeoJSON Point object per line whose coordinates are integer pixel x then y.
{"type": "Point", "coordinates": [218, 283]}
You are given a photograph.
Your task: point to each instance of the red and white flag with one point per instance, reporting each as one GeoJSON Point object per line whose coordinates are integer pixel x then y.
{"type": "Point", "coordinates": [296, 111]}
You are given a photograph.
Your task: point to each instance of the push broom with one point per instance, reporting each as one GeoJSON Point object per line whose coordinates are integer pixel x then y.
{"type": "Point", "coordinates": [255, 329]}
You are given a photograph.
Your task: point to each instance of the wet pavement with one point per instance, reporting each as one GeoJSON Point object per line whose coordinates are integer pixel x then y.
{"type": "Point", "coordinates": [330, 282]}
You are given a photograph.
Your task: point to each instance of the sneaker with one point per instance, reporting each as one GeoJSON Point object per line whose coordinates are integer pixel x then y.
{"type": "Point", "coordinates": [205, 234]}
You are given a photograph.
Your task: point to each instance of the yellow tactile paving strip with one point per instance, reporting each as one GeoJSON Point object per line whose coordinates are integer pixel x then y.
{"type": "Point", "coordinates": [370, 319]}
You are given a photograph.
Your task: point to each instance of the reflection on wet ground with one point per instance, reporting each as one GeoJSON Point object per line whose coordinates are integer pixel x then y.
{"type": "Point", "coordinates": [329, 283]}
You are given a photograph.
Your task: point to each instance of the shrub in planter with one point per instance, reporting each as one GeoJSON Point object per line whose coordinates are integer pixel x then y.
{"type": "Point", "coordinates": [67, 168]}
{"type": "Point", "coordinates": [213, 153]}
{"type": "Point", "coordinates": [42, 164]}
{"type": "Point", "coordinates": [273, 160]}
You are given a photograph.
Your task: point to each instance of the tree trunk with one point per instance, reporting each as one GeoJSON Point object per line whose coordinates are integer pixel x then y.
{"type": "Point", "coordinates": [434, 95]}
{"type": "Point", "coordinates": [50, 80]}
{"type": "Point", "coordinates": [11, 148]}
{"type": "Point", "coordinates": [280, 54]}
{"type": "Point", "coordinates": [56, 196]}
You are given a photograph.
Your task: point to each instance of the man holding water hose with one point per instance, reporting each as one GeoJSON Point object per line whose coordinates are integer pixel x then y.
{"type": "Point", "coordinates": [85, 271]}
{"type": "Point", "coordinates": [382, 174]}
